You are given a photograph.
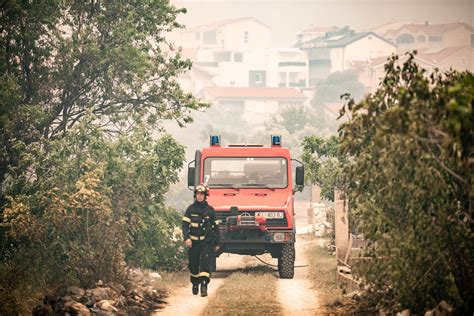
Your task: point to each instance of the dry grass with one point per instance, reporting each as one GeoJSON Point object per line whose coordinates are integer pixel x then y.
{"type": "Point", "coordinates": [170, 281]}
{"type": "Point", "coordinates": [323, 275]}
{"type": "Point", "coordinates": [324, 278]}
{"type": "Point", "coordinates": [252, 291]}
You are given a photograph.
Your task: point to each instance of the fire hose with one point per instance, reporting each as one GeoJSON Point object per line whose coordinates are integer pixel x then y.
{"type": "Point", "coordinates": [273, 265]}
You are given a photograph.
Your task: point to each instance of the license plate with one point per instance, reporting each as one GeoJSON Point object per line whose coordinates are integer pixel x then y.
{"type": "Point", "coordinates": [270, 214]}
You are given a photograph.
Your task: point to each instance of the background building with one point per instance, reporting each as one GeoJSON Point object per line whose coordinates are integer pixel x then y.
{"type": "Point", "coordinates": [254, 105]}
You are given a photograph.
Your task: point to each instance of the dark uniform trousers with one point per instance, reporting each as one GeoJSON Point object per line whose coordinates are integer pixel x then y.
{"type": "Point", "coordinates": [200, 261]}
{"type": "Point", "coordinates": [200, 225]}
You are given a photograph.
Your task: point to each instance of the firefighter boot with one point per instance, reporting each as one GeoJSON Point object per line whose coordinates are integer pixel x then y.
{"type": "Point", "coordinates": [204, 288]}
{"type": "Point", "coordinates": [195, 289]}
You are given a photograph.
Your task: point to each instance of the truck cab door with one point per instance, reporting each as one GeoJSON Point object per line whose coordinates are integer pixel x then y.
{"type": "Point", "coordinates": [194, 171]}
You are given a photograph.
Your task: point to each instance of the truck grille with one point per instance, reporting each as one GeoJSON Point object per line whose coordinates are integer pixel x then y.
{"type": "Point", "coordinates": [271, 222]}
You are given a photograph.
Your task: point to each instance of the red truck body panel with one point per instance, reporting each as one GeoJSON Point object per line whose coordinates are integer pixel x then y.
{"type": "Point", "coordinates": [252, 198]}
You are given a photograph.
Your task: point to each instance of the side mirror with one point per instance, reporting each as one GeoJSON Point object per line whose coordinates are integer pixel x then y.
{"type": "Point", "coordinates": [191, 171]}
{"type": "Point", "coordinates": [299, 175]}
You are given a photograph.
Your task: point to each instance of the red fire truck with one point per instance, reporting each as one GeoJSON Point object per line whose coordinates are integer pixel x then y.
{"type": "Point", "coordinates": [251, 188]}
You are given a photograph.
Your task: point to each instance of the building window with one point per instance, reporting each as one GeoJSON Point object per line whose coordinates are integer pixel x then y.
{"type": "Point", "coordinates": [435, 38]}
{"type": "Point", "coordinates": [238, 57]}
{"type": "Point", "coordinates": [257, 78]}
{"type": "Point", "coordinates": [292, 63]}
{"type": "Point", "coordinates": [209, 37]}
{"type": "Point", "coordinates": [198, 35]}
{"type": "Point", "coordinates": [246, 37]}
{"type": "Point", "coordinates": [421, 39]}
{"type": "Point", "coordinates": [405, 39]}
{"type": "Point", "coordinates": [472, 40]}
{"type": "Point", "coordinates": [463, 61]}
{"type": "Point", "coordinates": [282, 79]}
{"type": "Point", "coordinates": [222, 56]}
{"type": "Point", "coordinates": [297, 79]}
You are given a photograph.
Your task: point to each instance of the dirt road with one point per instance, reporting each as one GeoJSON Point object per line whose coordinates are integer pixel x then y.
{"type": "Point", "coordinates": [183, 302]}
{"type": "Point", "coordinates": [296, 296]}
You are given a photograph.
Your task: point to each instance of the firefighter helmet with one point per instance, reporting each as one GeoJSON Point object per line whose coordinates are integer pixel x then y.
{"type": "Point", "coordinates": [201, 188]}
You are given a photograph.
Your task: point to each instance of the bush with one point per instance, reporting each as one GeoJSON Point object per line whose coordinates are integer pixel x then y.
{"type": "Point", "coordinates": [409, 180]}
{"type": "Point", "coordinates": [323, 162]}
{"type": "Point", "coordinates": [76, 229]}
{"type": "Point", "coordinates": [87, 204]}
{"type": "Point", "coordinates": [150, 247]}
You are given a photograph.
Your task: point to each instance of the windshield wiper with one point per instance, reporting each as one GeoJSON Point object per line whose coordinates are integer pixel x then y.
{"type": "Point", "coordinates": [225, 185]}
{"type": "Point", "coordinates": [259, 185]}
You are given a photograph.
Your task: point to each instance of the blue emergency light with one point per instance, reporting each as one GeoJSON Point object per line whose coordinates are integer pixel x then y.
{"type": "Point", "coordinates": [215, 140]}
{"type": "Point", "coordinates": [276, 140]}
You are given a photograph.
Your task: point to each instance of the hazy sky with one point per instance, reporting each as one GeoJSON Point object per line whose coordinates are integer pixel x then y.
{"type": "Point", "coordinates": [288, 17]}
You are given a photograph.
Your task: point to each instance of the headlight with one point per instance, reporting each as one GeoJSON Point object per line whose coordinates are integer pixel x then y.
{"type": "Point", "coordinates": [279, 237]}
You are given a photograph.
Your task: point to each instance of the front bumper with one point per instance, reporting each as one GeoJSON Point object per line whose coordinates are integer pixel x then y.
{"type": "Point", "coordinates": [254, 236]}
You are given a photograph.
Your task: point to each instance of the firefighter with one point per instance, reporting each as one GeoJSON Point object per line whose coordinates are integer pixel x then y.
{"type": "Point", "coordinates": [201, 235]}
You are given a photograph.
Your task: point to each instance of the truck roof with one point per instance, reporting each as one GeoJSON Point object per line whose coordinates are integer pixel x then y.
{"type": "Point", "coordinates": [244, 151]}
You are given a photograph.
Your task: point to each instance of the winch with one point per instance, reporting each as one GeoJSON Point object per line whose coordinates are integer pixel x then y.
{"type": "Point", "coordinates": [246, 221]}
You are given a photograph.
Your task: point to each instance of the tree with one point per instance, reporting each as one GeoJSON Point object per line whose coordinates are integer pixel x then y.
{"type": "Point", "coordinates": [409, 181]}
{"type": "Point", "coordinates": [336, 84]}
{"type": "Point", "coordinates": [85, 88]}
{"type": "Point", "coordinates": [293, 118]}
{"type": "Point", "coordinates": [60, 60]}
{"type": "Point", "coordinates": [323, 163]}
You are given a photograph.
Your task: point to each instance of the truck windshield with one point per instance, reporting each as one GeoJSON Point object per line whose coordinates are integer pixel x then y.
{"type": "Point", "coordinates": [271, 172]}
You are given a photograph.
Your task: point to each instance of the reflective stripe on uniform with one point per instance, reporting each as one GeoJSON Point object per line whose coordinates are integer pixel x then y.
{"type": "Point", "coordinates": [194, 214]}
{"type": "Point", "coordinates": [195, 275]}
{"type": "Point", "coordinates": [186, 219]}
{"type": "Point", "coordinates": [197, 238]}
{"type": "Point", "coordinates": [194, 224]}
{"type": "Point", "coordinates": [204, 274]}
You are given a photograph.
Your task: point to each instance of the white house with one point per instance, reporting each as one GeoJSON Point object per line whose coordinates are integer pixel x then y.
{"type": "Point", "coordinates": [314, 32]}
{"type": "Point", "coordinates": [371, 72]}
{"type": "Point", "coordinates": [391, 25]}
{"type": "Point", "coordinates": [236, 50]}
{"type": "Point", "coordinates": [254, 104]}
{"type": "Point", "coordinates": [287, 67]}
{"type": "Point", "coordinates": [196, 79]}
{"type": "Point", "coordinates": [459, 58]}
{"type": "Point", "coordinates": [238, 68]}
{"type": "Point", "coordinates": [248, 61]}
{"type": "Point", "coordinates": [422, 36]}
{"type": "Point", "coordinates": [338, 53]}
{"type": "Point", "coordinates": [244, 33]}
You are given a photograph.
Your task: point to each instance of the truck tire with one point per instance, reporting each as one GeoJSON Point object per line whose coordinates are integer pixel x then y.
{"type": "Point", "coordinates": [286, 261]}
